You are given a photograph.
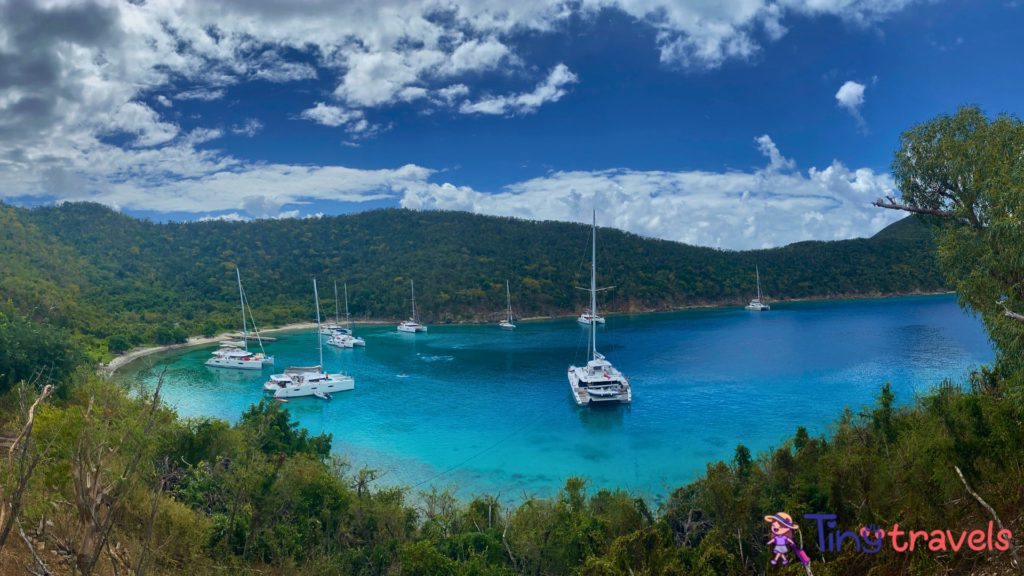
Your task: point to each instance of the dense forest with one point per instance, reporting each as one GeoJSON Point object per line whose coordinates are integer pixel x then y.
{"type": "Point", "coordinates": [99, 479]}
{"type": "Point", "coordinates": [100, 273]}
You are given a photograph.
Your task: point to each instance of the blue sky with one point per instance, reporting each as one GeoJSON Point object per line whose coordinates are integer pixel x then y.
{"type": "Point", "coordinates": [714, 125]}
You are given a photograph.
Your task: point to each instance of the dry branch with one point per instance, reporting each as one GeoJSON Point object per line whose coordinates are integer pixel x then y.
{"type": "Point", "coordinates": [1013, 548]}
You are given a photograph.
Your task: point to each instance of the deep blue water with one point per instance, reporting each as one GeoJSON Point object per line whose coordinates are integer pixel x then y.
{"type": "Point", "coordinates": [496, 407]}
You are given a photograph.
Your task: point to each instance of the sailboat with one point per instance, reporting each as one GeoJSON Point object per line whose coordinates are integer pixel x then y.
{"type": "Point", "coordinates": [756, 304]}
{"type": "Point", "coordinates": [332, 329]}
{"type": "Point", "coordinates": [598, 381]}
{"type": "Point", "coordinates": [308, 381]}
{"type": "Point", "coordinates": [346, 339]}
{"type": "Point", "coordinates": [411, 325]}
{"type": "Point", "coordinates": [241, 359]}
{"type": "Point", "coordinates": [507, 323]}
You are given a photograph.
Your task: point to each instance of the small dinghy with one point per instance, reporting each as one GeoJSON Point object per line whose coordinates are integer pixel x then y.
{"type": "Point", "coordinates": [281, 400]}
{"type": "Point", "coordinates": [403, 376]}
{"type": "Point", "coordinates": [322, 395]}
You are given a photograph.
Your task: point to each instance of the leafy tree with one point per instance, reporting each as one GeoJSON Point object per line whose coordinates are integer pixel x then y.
{"type": "Point", "coordinates": [29, 348]}
{"type": "Point", "coordinates": [277, 434]}
{"type": "Point", "coordinates": [118, 343]}
{"type": "Point", "coordinates": [964, 173]}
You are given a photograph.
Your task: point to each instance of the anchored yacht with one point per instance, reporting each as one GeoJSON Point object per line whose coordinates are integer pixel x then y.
{"type": "Point", "coordinates": [598, 381]}
{"type": "Point", "coordinates": [411, 325]}
{"type": "Point", "coordinates": [237, 355]}
{"type": "Point", "coordinates": [756, 304]}
{"type": "Point", "coordinates": [507, 323]}
{"type": "Point", "coordinates": [588, 319]}
{"type": "Point", "coordinates": [308, 380]}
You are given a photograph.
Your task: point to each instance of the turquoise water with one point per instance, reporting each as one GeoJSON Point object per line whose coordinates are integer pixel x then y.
{"type": "Point", "coordinates": [491, 409]}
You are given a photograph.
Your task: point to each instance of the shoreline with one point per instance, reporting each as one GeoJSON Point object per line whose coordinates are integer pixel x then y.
{"type": "Point", "coordinates": [109, 369]}
{"type": "Point", "coordinates": [136, 353]}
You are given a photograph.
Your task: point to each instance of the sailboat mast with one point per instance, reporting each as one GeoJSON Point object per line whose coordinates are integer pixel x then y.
{"type": "Point", "coordinates": [593, 288]}
{"type": "Point", "coordinates": [508, 294]}
{"type": "Point", "coordinates": [758, 273]}
{"type": "Point", "coordinates": [241, 299]}
{"type": "Point", "coordinates": [348, 319]}
{"type": "Point", "coordinates": [318, 338]}
{"type": "Point", "coordinates": [337, 318]}
{"type": "Point", "coordinates": [412, 285]}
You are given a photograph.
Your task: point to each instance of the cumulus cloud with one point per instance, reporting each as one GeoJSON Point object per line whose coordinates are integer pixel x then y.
{"type": "Point", "coordinates": [250, 128]}
{"type": "Point", "coordinates": [332, 116]}
{"type": "Point", "coordinates": [772, 206]}
{"type": "Point", "coordinates": [851, 97]}
{"type": "Point", "coordinates": [550, 90]}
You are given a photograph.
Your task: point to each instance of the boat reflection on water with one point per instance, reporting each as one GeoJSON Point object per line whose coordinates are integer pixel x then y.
{"type": "Point", "coordinates": [235, 374]}
{"type": "Point", "coordinates": [602, 416]}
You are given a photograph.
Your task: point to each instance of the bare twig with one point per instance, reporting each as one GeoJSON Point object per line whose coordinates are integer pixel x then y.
{"type": "Point", "coordinates": [1013, 548]}
{"type": "Point", "coordinates": [42, 565]}
{"type": "Point", "coordinates": [893, 205]}
{"type": "Point", "coordinates": [10, 503]}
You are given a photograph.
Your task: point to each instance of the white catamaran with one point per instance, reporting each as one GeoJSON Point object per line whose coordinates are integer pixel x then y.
{"type": "Point", "coordinates": [336, 328]}
{"type": "Point", "coordinates": [507, 323]}
{"type": "Point", "coordinates": [756, 304]}
{"type": "Point", "coordinates": [346, 339]}
{"type": "Point", "coordinates": [598, 381]}
{"type": "Point", "coordinates": [411, 325]}
{"type": "Point", "coordinates": [307, 381]}
{"type": "Point", "coordinates": [240, 358]}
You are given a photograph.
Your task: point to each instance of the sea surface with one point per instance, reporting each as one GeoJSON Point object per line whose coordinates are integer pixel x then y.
{"type": "Point", "coordinates": [490, 410]}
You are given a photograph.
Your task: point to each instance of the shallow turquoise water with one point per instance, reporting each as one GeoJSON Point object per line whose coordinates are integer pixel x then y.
{"type": "Point", "coordinates": [491, 410]}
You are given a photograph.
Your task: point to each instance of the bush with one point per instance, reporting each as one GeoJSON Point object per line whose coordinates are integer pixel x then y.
{"type": "Point", "coordinates": [210, 328]}
{"type": "Point", "coordinates": [118, 343]}
{"type": "Point", "coordinates": [28, 348]}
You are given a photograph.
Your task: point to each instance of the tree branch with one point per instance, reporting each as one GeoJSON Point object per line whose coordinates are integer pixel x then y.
{"type": "Point", "coordinates": [893, 205]}
{"type": "Point", "coordinates": [1013, 549]}
{"type": "Point", "coordinates": [1009, 314]}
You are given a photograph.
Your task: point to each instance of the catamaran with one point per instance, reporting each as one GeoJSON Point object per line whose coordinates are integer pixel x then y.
{"type": "Point", "coordinates": [336, 328]}
{"type": "Point", "coordinates": [507, 324]}
{"type": "Point", "coordinates": [308, 380]}
{"type": "Point", "coordinates": [241, 358]}
{"type": "Point", "coordinates": [598, 381]}
{"type": "Point", "coordinates": [411, 325]}
{"type": "Point", "coordinates": [346, 339]}
{"type": "Point", "coordinates": [756, 304]}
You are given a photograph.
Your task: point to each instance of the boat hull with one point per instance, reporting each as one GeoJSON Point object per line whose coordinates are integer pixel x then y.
{"type": "Point", "coordinates": [236, 364]}
{"type": "Point", "coordinates": [329, 387]}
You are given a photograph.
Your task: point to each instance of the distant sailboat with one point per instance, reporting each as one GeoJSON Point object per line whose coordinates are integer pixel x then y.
{"type": "Point", "coordinates": [507, 324]}
{"type": "Point", "coordinates": [346, 339]}
{"type": "Point", "coordinates": [598, 381]}
{"type": "Point", "coordinates": [411, 325]}
{"type": "Point", "coordinates": [756, 304]}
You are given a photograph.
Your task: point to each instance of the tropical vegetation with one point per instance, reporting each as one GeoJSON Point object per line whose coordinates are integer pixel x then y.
{"type": "Point", "coordinates": [117, 281]}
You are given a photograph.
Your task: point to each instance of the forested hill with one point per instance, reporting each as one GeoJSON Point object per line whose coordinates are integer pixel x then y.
{"type": "Point", "coordinates": [96, 271]}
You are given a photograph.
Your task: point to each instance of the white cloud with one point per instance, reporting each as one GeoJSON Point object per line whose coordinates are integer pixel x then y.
{"type": "Point", "coordinates": [164, 101]}
{"type": "Point", "coordinates": [851, 97]}
{"type": "Point", "coordinates": [550, 90]}
{"type": "Point", "coordinates": [250, 128]}
{"type": "Point", "coordinates": [137, 118]}
{"type": "Point", "coordinates": [332, 116]}
{"type": "Point", "coordinates": [769, 207]}
{"type": "Point", "coordinates": [200, 94]}
{"type": "Point", "coordinates": [232, 217]}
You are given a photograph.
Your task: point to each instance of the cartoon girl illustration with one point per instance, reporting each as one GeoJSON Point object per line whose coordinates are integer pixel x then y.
{"type": "Point", "coordinates": [782, 535]}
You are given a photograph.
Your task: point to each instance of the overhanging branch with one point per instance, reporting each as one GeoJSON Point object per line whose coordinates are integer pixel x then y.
{"type": "Point", "coordinates": [893, 205]}
{"type": "Point", "coordinates": [1009, 314]}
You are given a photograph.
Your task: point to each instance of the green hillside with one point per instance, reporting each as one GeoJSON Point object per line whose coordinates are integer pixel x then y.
{"type": "Point", "coordinates": [99, 272]}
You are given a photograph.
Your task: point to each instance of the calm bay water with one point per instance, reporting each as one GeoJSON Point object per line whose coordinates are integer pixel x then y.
{"type": "Point", "coordinates": [491, 410]}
